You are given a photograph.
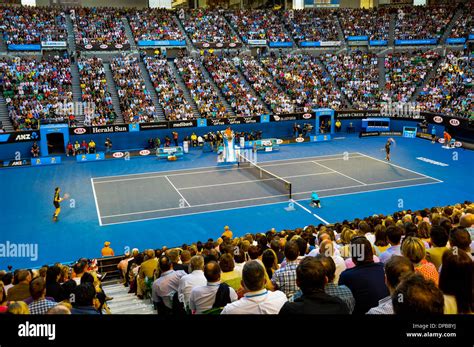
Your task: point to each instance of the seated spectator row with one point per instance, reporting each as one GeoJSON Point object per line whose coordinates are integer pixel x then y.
{"type": "Point", "coordinates": [406, 71]}
{"type": "Point", "coordinates": [373, 23]}
{"type": "Point", "coordinates": [94, 92]}
{"type": "Point", "coordinates": [312, 25]}
{"type": "Point", "coordinates": [354, 267]}
{"type": "Point", "coordinates": [135, 100]}
{"type": "Point", "coordinates": [32, 25]}
{"type": "Point", "coordinates": [258, 25]}
{"type": "Point", "coordinates": [169, 93]}
{"type": "Point", "coordinates": [233, 87]}
{"type": "Point", "coordinates": [36, 91]}
{"type": "Point", "coordinates": [208, 26]}
{"type": "Point", "coordinates": [262, 82]}
{"type": "Point", "coordinates": [303, 80]}
{"type": "Point", "coordinates": [203, 93]}
{"type": "Point", "coordinates": [154, 25]}
{"type": "Point", "coordinates": [98, 26]}
{"type": "Point", "coordinates": [357, 74]}
{"type": "Point", "coordinates": [420, 22]}
{"type": "Point", "coordinates": [464, 25]}
{"type": "Point", "coordinates": [451, 90]}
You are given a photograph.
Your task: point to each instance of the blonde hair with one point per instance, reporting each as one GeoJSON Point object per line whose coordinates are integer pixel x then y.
{"type": "Point", "coordinates": [18, 307]}
{"type": "Point", "coordinates": [414, 249]}
{"type": "Point", "coordinates": [346, 235]}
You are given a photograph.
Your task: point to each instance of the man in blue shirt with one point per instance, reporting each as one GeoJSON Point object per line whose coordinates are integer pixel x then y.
{"type": "Point", "coordinates": [315, 200]}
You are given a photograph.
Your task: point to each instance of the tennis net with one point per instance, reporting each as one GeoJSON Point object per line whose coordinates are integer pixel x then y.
{"type": "Point", "coordinates": [276, 182]}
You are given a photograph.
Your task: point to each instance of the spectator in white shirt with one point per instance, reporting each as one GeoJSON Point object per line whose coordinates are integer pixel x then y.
{"type": "Point", "coordinates": [166, 285]}
{"type": "Point", "coordinates": [203, 298]}
{"type": "Point", "coordinates": [257, 299]}
{"type": "Point", "coordinates": [194, 279]}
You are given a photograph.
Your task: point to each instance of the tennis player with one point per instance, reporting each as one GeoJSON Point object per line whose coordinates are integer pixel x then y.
{"type": "Point", "coordinates": [315, 202]}
{"type": "Point", "coordinates": [387, 149]}
{"type": "Point", "coordinates": [57, 199]}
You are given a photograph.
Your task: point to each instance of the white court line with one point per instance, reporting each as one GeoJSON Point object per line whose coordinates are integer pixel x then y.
{"type": "Point", "coordinates": [263, 197]}
{"type": "Point", "coordinates": [96, 204]}
{"type": "Point", "coordinates": [177, 191]}
{"type": "Point", "coordinates": [253, 181]}
{"type": "Point", "coordinates": [328, 168]}
{"type": "Point", "coordinates": [307, 210]}
{"type": "Point", "coordinates": [259, 205]}
{"type": "Point", "coordinates": [217, 168]}
{"type": "Point", "coordinates": [400, 167]}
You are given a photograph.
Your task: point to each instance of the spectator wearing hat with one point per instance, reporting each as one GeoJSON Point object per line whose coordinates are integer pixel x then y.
{"type": "Point", "coordinates": [107, 251]}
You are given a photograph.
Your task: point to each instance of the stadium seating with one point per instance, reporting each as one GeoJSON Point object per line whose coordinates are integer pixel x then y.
{"type": "Point", "coordinates": [373, 23]}
{"type": "Point", "coordinates": [154, 25]}
{"type": "Point", "coordinates": [312, 25]}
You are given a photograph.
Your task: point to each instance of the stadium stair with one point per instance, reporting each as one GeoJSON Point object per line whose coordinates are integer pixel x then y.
{"type": "Point", "coordinates": [112, 89]}
{"type": "Point", "coordinates": [249, 86]}
{"type": "Point", "coordinates": [187, 94]}
{"type": "Point", "coordinates": [3, 45]}
{"type": "Point", "coordinates": [459, 12]}
{"type": "Point", "coordinates": [381, 66]}
{"type": "Point", "coordinates": [7, 125]}
{"type": "Point", "coordinates": [391, 30]}
{"type": "Point", "coordinates": [149, 86]}
{"type": "Point", "coordinates": [76, 90]}
{"type": "Point", "coordinates": [427, 78]}
{"type": "Point", "coordinates": [189, 44]}
{"type": "Point", "coordinates": [340, 33]}
{"type": "Point", "coordinates": [125, 303]}
{"type": "Point", "coordinates": [129, 34]}
{"type": "Point", "coordinates": [345, 101]}
{"type": "Point", "coordinates": [71, 42]}
{"type": "Point", "coordinates": [208, 77]}
{"type": "Point", "coordinates": [234, 31]}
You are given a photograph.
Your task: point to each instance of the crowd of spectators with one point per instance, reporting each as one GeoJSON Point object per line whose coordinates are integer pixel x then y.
{"type": "Point", "coordinates": [36, 90]}
{"type": "Point", "coordinates": [422, 22]}
{"type": "Point", "coordinates": [262, 82]}
{"type": "Point", "coordinates": [357, 74]}
{"type": "Point", "coordinates": [464, 25]}
{"type": "Point", "coordinates": [135, 101]}
{"type": "Point", "coordinates": [31, 24]}
{"type": "Point", "coordinates": [350, 267]}
{"type": "Point", "coordinates": [404, 72]}
{"type": "Point", "coordinates": [233, 87]}
{"type": "Point", "coordinates": [98, 26]}
{"type": "Point", "coordinates": [258, 25]}
{"type": "Point", "coordinates": [373, 23]}
{"type": "Point", "coordinates": [154, 24]}
{"type": "Point", "coordinates": [303, 80]}
{"type": "Point", "coordinates": [56, 289]}
{"type": "Point", "coordinates": [451, 90]}
{"type": "Point", "coordinates": [170, 94]}
{"type": "Point", "coordinates": [203, 93]}
{"type": "Point", "coordinates": [312, 25]}
{"type": "Point", "coordinates": [208, 26]}
{"type": "Point", "coordinates": [95, 96]}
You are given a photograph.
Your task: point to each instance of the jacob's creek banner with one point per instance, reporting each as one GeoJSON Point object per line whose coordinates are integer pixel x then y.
{"type": "Point", "coordinates": [319, 43]}
{"type": "Point", "coordinates": [380, 133]}
{"type": "Point", "coordinates": [416, 42]}
{"type": "Point", "coordinates": [161, 43]}
{"type": "Point", "coordinates": [31, 47]}
{"type": "Point", "coordinates": [53, 44]}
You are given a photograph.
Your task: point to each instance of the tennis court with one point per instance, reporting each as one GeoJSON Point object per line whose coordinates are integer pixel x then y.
{"type": "Point", "coordinates": [140, 197]}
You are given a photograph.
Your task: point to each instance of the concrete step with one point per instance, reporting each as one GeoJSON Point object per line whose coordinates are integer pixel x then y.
{"type": "Point", "coordinates": [149, 86]}
{"type": "Point", "coordinates": [71, 41]}
{"type": "Point", "coordinates": [207, 76]}
{"type": "Point", "coordinates": [112, 89]}
{"type": "Point", "coordinates": [183, 87]}
{"type": "Point", "coordinates": [129, 33]}
{"type": "Point", "coordinates": [381, 66]}
{"type": "Point", "coordinates": [459, 12]}
{"type": "Point", "coordinates": [391, 31]}
{"type": "Point", "coordinates": [6, 122]}
{"type": "Point", "coordinates": [76, 90]}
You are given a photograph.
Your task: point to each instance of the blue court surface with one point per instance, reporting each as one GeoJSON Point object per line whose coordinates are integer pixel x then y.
{"type": "Point", "coordinates": [150, 203]}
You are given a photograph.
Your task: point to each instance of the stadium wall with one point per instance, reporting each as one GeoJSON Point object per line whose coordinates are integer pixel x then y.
{"type": "Point", "coordinates": [135, 140]}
